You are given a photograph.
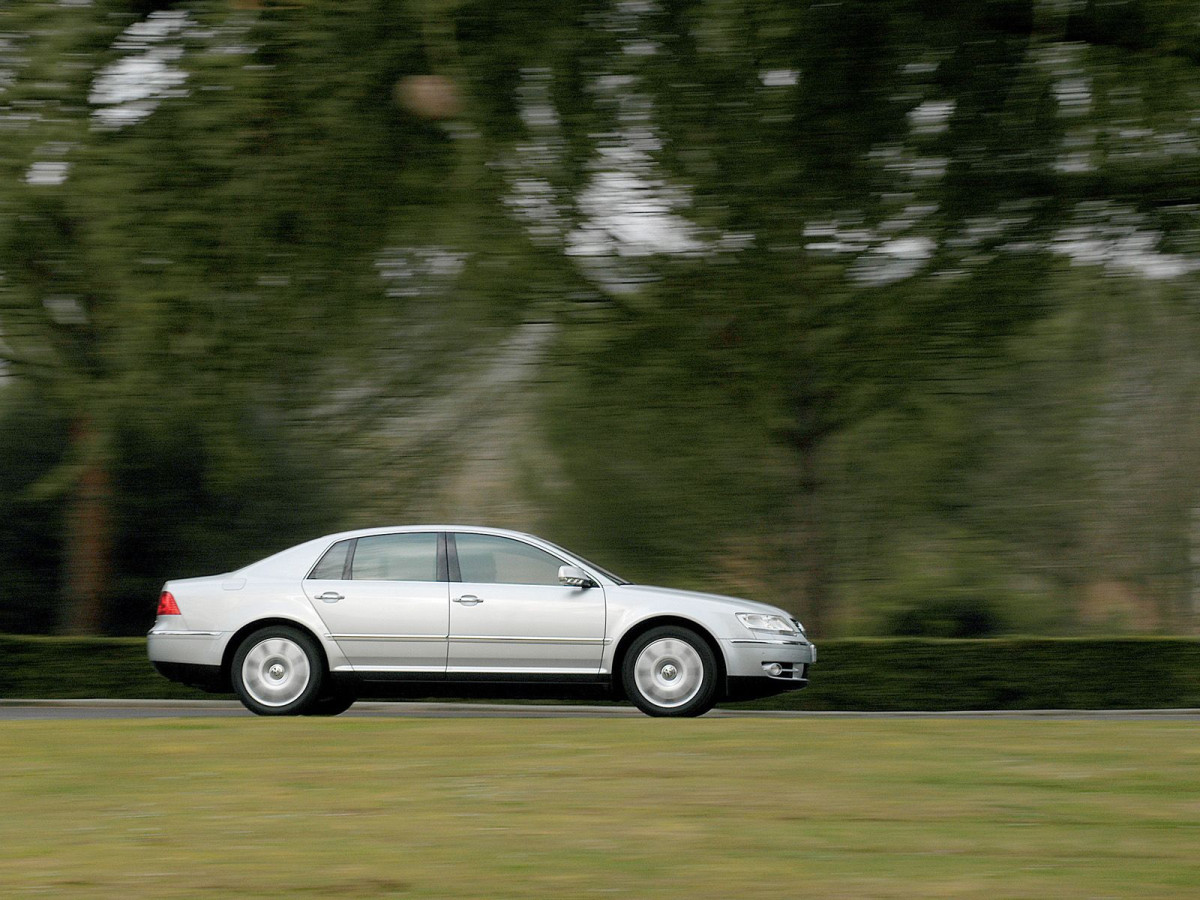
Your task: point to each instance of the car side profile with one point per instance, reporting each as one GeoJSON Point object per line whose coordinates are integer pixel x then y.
{"type": "Point", "coordinates": [433, 610]}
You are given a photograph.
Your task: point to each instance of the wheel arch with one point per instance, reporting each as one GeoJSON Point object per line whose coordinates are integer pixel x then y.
{"type": "Point", "coordinates": [640, 628]}
{"type": "Point", "coordinates": [249, 628]}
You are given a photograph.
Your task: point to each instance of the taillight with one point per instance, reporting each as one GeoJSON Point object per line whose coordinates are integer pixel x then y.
{"type": "Point", "coordinates": [167, 605]}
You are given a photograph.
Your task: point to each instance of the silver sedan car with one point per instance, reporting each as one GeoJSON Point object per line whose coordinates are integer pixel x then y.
{"type": "Point", "coordinates": [434, 610]}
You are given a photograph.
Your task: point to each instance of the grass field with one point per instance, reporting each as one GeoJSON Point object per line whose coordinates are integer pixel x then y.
{"type": "Point", "coordinates": [577, 808]}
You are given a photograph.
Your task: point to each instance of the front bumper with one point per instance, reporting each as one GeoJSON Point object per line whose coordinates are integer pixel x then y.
{"type": "Point", "coordinates": [759, 667]}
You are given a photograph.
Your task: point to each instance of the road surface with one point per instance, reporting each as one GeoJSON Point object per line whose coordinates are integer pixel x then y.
{"type": "Point", "coordinates": [218, 709]}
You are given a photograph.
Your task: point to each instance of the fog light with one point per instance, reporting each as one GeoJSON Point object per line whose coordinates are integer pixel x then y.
{"type": "Point", "coordinates": [774, 670]}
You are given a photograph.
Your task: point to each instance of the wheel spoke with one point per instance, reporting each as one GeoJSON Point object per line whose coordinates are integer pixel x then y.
{"type": "Point", "coordinates": [294, 655]}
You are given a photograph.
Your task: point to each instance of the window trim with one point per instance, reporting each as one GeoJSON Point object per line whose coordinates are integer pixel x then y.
{"type": "Point", "coordinates": [453, 572]}
{"type": "Point", "coordinates": [442, 572]}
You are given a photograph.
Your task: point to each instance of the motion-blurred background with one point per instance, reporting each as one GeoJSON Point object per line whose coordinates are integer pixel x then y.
{"type": "Point", "coordinates": [885, 311]}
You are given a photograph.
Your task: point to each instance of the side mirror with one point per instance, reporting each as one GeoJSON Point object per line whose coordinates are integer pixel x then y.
{"type": "Point", "coordinates": [573, 576]}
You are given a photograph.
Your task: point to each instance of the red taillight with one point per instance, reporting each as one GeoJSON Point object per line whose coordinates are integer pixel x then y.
{"type": "Point", "coordinates": [167, 605]}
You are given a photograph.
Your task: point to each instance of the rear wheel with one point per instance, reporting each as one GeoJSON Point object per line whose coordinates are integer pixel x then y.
{"type": "Point", "coordinates": [277, 671]}
{"type": "Point", "coordinates": [670, 671]}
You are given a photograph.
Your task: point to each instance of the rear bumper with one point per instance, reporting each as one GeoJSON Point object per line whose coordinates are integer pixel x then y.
{"type": "Point", "coordinates": [207, 678]}
{"type": "Point", "coordinates": [203, 648]}
{"type": "Point", "coordinates": [189, 657]}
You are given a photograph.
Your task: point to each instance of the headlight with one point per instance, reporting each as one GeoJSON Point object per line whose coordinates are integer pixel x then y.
{"type": "Point", "coordinates": [761, 622]}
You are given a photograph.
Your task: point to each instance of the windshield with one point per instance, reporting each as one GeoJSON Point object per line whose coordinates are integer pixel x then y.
{"type": "Point", "coordinates": [590, 565]}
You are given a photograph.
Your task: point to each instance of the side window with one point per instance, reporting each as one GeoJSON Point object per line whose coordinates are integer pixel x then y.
{"type": "Point", "coordinates": [395, 557]}
{"type": "Point", "coordinates": [487, 559]}
{"type": "Point", "coordinates": [333, 562]}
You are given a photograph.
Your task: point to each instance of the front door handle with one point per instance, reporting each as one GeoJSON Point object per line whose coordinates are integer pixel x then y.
{"type": "Point", "coordinates": [330, 597]}
{"type": "Point", "coordinates": [468, 600]}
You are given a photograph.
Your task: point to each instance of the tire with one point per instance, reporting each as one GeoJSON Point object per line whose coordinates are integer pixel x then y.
{"type": "Point", "coordinates": [670, 671]}
{"type": "Point", "coordinates": [332, 704]}
{"type": "Point", "coordinates": [278, 671]}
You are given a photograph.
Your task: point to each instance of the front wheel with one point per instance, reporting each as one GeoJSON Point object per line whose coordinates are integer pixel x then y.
{"type": "Point", "coordinates": [670, 671]}
{"type": "Point", "coordinates": [277, 671]}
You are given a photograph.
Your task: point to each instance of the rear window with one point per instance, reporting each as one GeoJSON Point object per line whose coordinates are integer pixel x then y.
{"type": "Point", "coordinates": [333, 563]}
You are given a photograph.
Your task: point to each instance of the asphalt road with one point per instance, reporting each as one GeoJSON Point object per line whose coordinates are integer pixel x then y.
{"type": "Point", "coordinates": [11, 710]}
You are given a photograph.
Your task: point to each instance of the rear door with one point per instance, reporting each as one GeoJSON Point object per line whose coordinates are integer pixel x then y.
{"type": "Point", "coordinates": [384, 599]}
{"type": "Point", "coordinates": [509, 614]}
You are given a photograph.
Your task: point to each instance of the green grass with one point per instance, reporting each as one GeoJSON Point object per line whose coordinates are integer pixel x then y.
{"type": "Point", "coordinates": [488, 808]}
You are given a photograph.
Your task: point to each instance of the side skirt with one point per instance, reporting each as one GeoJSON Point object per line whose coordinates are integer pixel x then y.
{"type": "Point", "coordinates": [417, 685]}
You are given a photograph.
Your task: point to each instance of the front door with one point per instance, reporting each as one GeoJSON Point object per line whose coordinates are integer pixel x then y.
{"type": "Point", "coordinates": [384, 601]}
{"type": "Point", "coordinates": [509, 615]}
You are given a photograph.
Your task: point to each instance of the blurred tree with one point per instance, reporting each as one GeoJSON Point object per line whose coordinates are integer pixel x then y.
{"type": "Point", "coordinates": [32, 436]}
{"type": "Point", "coordinates": [193, 209]}
{"type": "Point", "coordinates": [790, 255]}
{"type": "Point", "coordinates": [797, 216]}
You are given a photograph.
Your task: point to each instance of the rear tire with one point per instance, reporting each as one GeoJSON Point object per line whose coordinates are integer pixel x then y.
{"type": "Point", "coordinates": [670, 671]}
{"type": "Point", "coordinates": [278, 671]}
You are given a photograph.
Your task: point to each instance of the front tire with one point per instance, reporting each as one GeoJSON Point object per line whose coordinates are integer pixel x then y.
{"type": "Point", "coordinates": [670, 671]}
{"type": "Point", "coordinates": [277, 671]}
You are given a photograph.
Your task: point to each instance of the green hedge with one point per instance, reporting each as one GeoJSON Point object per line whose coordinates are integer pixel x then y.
{"type": "Point", "coordinates": [1008, 673]}
{"type": "Point", "coordinates": [46, 667]}
{"type": "Point", "coordinates": [893, 674]}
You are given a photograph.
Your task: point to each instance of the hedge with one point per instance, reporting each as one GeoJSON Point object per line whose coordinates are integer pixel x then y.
{"type": "Point", "coordinates": [892, 674]}
{"type": "Point", "coordinates": [109, 668]}
{"type": "Point", "coordinates": [1008, 673]}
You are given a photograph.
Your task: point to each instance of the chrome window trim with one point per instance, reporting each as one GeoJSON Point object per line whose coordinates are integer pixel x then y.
{"type": "Point", "coordinates": [387, 637]}
{"type": "Point", "coordinates": [490, 639]}
{"type": "Point", "coordinates": [469, 638]}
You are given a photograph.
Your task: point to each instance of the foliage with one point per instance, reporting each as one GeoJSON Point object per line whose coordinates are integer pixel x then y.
{"type": "Point", "coordinates": [99, 668]}
{"type": "Point", "coordinates": [1007, 673]}
{"type": "Point", "coordinates": [914, 674]}
{"type": "Point", "coordinates": [31, 441]}
{"type": "Point", "coordinates": [882, 311]}
{"type": "Point", "coordinates": [886, 203]}
{"type": "Point", "coordinates": [192, 288]}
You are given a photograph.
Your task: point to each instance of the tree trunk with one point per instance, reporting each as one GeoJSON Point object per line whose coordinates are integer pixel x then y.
{"type": "Point", "coordinates": [808, 546]}
{"type": "Point", "coordinates": [1191, 618]}
{"type": "Point", "coordinates": [88, 535]}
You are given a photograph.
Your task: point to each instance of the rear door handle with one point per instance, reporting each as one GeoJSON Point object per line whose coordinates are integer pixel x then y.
{"type": "Point", "coordinates": [468, 600]}
{"type": "Point", "coordinates": [330, 597]}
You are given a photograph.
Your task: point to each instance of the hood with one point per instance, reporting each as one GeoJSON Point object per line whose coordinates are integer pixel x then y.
{"type": "Point", "coordinates": [734, 604]}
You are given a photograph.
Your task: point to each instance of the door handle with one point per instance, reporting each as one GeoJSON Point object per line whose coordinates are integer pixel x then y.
{"type": "Point", "coordinates": [468, 600]}
{"type": "Point", "coordinates": [330, 597]}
